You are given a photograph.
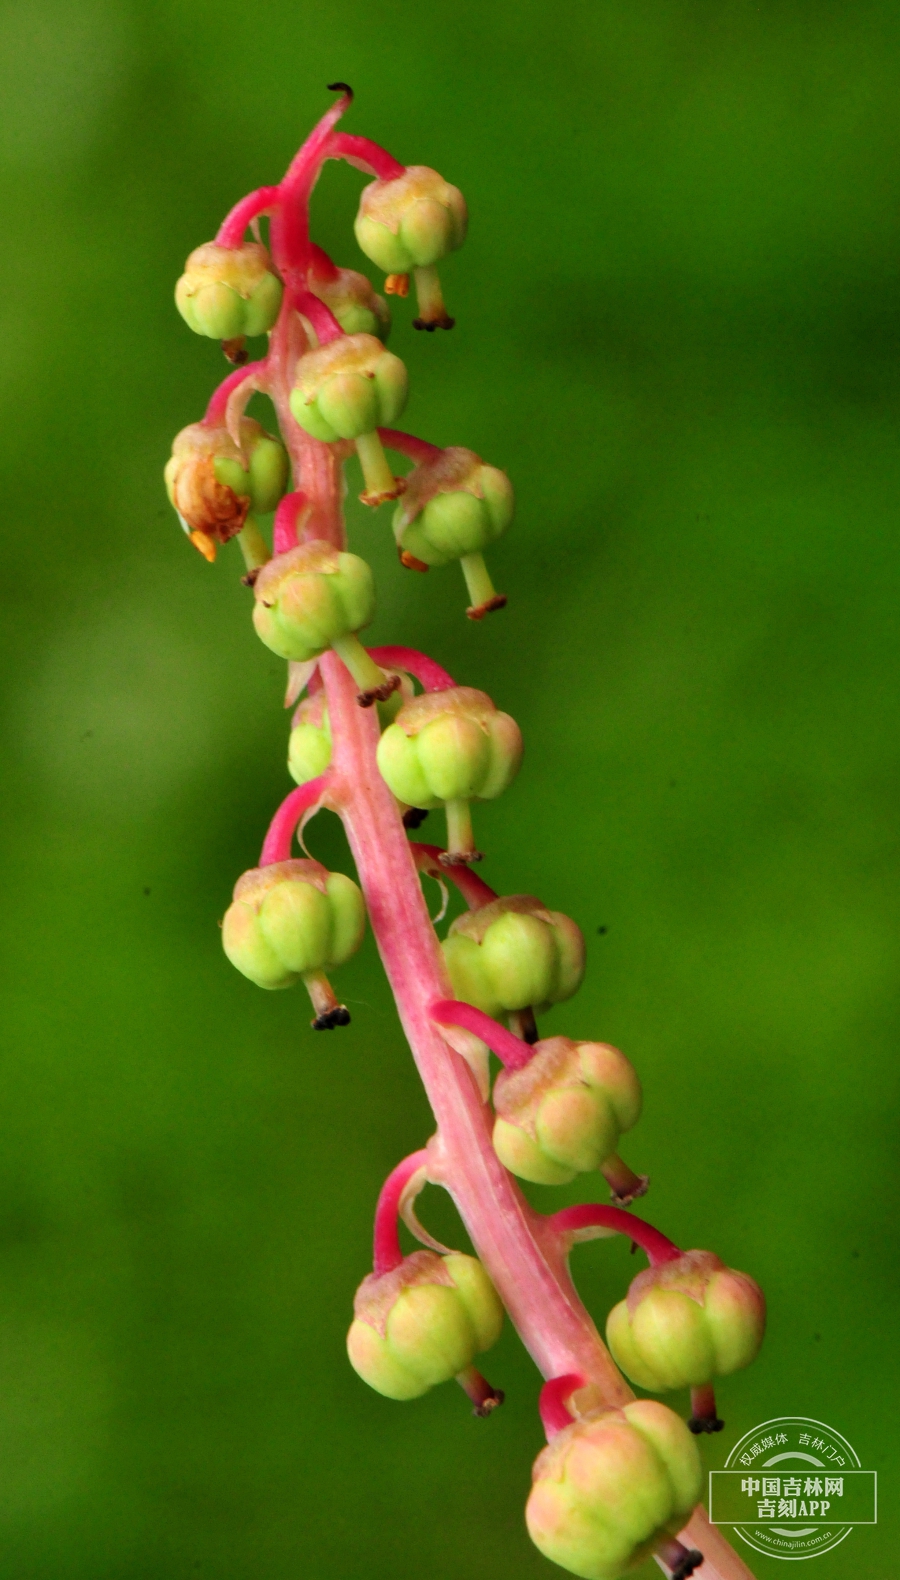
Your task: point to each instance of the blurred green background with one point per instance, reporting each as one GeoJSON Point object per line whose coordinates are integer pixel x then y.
{"type": "Point", "coordinates": [678, 330]}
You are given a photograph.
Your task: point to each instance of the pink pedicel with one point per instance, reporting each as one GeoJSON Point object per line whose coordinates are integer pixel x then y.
{"type": "Point", "coordinates": [473, 889]}
{"type": "Point", "coordinates": [512, 1052]}
{"type": "Point", "coordinates": [231, 231]}
{"type": "Point", "coordinates": [523, 1252]}
{"type": "Point", "coordinates": [553, 1404]}
{"type": "Point", "coordinates": [386, 1241]}
{"type": "Point", "coordinates": [277, 843]}
{"type": "Point", "coordinates": [657, 1246]}
{"type": "Point", "coordinates": [429, 674]}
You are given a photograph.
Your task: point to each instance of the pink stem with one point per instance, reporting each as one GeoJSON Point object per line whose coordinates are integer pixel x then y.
{"type": "Point", "coordinates": [408, 444]}
{"type": "Point", "coordinates": [215, 411]}
{"type": "Point", "coordinates": [512, 1052]}
{"type": "Point", "coordinates": [231, 230]}
{"type": "Point", "coordinates": [277, 843]}
{"type": "Point", "coordinates": [284, 529]}
{"type": "Point", "coordinates": [427, 672]}
{"type": "Point", "coordinates": [387, 1253]}
{"type": "Point", "coordinates": [365, 155]}
{"type": "Point", "coordinates": [473, 889]}
{"type": "Point", "coordinates": [659, 1249]}
{"type": "Point", "coordinates": [321, 317]}
{"type": "Point", "coordinates": [321, 267]}
{"type": "Point", "coordinates": [553, 1403]}
{"type": "Point", "coordinates": [289, 231]}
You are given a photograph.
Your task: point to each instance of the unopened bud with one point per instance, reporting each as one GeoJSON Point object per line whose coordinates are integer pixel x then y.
{"type": "Point", "coordinates": [309, 597]}
{"type": "Point", "coordinates": [422, 1323]}
{"type": "Point", "coordinates": [228, 292]}
{"type": "Point", "coordinates": [214, 484]}
{"type": "Point", "coordinates": [291, 919]}
{"type": "Point", "coordinates": [354, 302]}
{"type": "Point", "coordinates": [513, 954]}
{"type": "Point", "coordinates": [562, 1114]}
{"type": "Point", "coordinates": [687, 1321]}
{"type": "Point", "coordinates": [450, 745]}
{"type": "Point", "coordinates": [411, 222]}
{"type": "Point", "coordinates": [453, 505]}
{"type": "Point", "coordinates": [348, 388]}
{"type": "Point", "coordinates": [612, 1487]}
{"type": "Point", "coordinates": [309, 746]}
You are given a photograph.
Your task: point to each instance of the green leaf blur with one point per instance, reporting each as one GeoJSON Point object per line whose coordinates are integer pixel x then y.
{"type": "Point", "coordinates": [677, 328]}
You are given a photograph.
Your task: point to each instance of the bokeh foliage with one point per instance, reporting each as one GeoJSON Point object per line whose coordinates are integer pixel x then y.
{"type": "Point", "coordinates": [678, 330]}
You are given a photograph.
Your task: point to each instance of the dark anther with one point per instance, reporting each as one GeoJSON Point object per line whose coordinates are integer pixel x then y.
{"type": "Point", "coordinates": [489, 1405]}
{"type": "Point", "coordinates": [410, 563]}
{"type": "Point", "coordinates": [497, 602]}
{"type": "Point", "coordinates": [236, 350]}
{"type": "Point", "coordinates": [340, 87]}
{"type": "Point", "coordinates": [704, 1423]}
{"type": "Point", "coordinates": [624, 1198]}
{"type": "Point", "coordinates": [379, 693]}
{"type": "Point", "coordinates": [687, 1565]}
{"type": "Point", "coordinates": [414, 817]}
{"type": "Point", "coordinates": [456, 858]}
{"type": "Point", "coordinates": [250, 579]}
{"type": "Point", "coordinates": [431, 324]}
{"type": "Point", "coordinates": [339, 1016]}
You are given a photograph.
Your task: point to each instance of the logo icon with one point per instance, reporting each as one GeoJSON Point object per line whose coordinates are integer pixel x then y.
{"type": "Point", "coordinates": [793, 1488]}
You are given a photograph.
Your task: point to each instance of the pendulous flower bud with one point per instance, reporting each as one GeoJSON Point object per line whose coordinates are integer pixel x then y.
{"type": "Point", "coordinates": [453, 506]}
{"type": "Point", "coordinates": [411, 222]}
{"type": "Point", "coordinates": [514, 954]}
{"type": "Point", "coordinates": [291, 919]}
{"type": "Point", "coordinates": [348, 388]}
{"type": "Point", "coordinates": [311, 597]}
{"type": "Point", "coordinates": [226, 292]}
{"type": "Point", "coordinates": [450, 745]}
{"type": "Point", "coordinates": [611, 1487]}
{"type": "Point", "coordinates": [215, 484]}
{"type": "Point", "coordinates": [686, 1321]}
{"type": "Point", "coordinates": [309, 746]}
{"type": "Point", "coordinates": [354, 302]}
{"type": "Point", "coordinates": [422, 1323]}
{"type": "Point", "coordinates": [562, 1114]}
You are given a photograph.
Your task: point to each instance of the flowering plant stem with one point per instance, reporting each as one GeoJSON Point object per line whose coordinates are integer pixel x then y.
{"type": "Point", "coordinates": [524, 1252]}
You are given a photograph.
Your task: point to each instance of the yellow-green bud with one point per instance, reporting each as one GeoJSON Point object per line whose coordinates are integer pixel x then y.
{"type": "Point", "coordinates": [422, 1323]}
{"type": "Point", "coordinates": [226, 292]}
{"type": "Point", "coordinates": [562, 1114]}
{"type": "Point", "coordinates": [214, 483]}
{"type": "Point", "coordinates": [453, 505]}
{"type": "Point", "coordinates": [449, 745]}
{"type": "Point", "coordinates": [355, 303]}
{"type": "Point", "coordinates": [514, 954]}
{"type": "Point", "coordinates": [309, 597]}
{"type": "Point", "coordinates": [348, 388]}
{"type": "Point", "coordinates": [412, 221]}
{"type": "Point", "coordinates": [687, 1321]}
{"type": "Point", "coordinates": [611, 1487]}
{"type": "Point", "coordinates": [309, 747]}
{"type": "Point", "coordinates": [292, 918]}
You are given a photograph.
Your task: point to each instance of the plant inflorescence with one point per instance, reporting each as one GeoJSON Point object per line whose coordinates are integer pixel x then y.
{"type": "Point", "coordinates": [381, 737]}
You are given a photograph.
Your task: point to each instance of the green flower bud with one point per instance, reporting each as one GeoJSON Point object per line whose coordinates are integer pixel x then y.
{"type": "Point", "coordinates": [454, 505]}
{"type": "Point", "coordinates": [422, 1323]}
{"type": "Point", "coordinates": [355, 303]}
{"type": "Point", "coordinates": [309, 597]}
{"type": "Point", "coordinates": [412, 221]}
{"type": "Point", "coordinates": [290, 919]}
{"type": "Point", "coordinates": [309, 747]}
{"type": "Point", "coordinates": [687, 1321]}
{"type": "Point", "coordinates": [226, 292]}
{"type": "Point", "coordinates": [348, 388]}
{"type": "Point", "coordinates": [611, 1487]}
{"type": "Point", "coordinates": [562, 1114]}
{"type": "Point", "coordinates": [214, 483]}
{"type": "Point", "coordinates": [514, 954]}
{"type": "Point", "coordinates": [449, 746]}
